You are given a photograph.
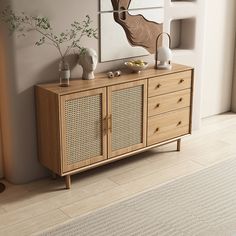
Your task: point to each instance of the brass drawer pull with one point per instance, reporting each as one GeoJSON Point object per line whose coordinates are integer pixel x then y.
{"type": "Point", "coordinates": [180, 100]}
{"type": "Point", "coordinates": [158, 105]}
{"type": "Point", "coordinates": [181, 81]}
{"type": "Point", "coordinates": [158, 86]}
{"type": "Point", "coordinates": [179, 123]}
{"type": "Point", "coordinates": [157, 129]}
{"type": "Point", "coordinates": [110, 123]}
{"type": "Point", "coordinates": [105, 125]}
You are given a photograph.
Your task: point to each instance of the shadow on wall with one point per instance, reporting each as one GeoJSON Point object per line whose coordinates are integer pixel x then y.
{"type": "Point", "coordinates": [20, 161]}
{"type": "Point", "coordinates": [9, 99]}
{"type": "Point", "coordinates": [49, 73]}
{"type": "Point", "coordinates": [29, 65]}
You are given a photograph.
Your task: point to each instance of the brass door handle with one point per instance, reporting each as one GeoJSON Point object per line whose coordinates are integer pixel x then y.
{"type": "Point", "coordinates": [105, 125]}
{"type": "Point", "coordinates": [110, 123]}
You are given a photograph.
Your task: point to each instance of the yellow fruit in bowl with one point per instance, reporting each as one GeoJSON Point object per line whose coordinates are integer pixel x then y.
{"type": "Point", "coordinates": [136, 65]}
{"type": "Point", "coordinates": [130, 63]}
{"type": "Point", "coordinates": [139, 62]}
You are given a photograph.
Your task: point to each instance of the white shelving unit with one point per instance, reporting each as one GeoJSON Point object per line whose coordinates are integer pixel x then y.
{"type": "Point", "coordinates": [184, 21]}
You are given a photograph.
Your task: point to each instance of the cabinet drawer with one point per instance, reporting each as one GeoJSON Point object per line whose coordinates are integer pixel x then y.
{"type": "Point", "coordinates": [167, 126]}
{"type": "Point", "coordinates": [169, 83]}
{"type": "Point", "coordinates": [168, 102]}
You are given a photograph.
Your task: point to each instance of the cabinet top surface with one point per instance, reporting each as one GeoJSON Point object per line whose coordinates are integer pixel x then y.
{"type": "Point", "coordinates": [101, 80]}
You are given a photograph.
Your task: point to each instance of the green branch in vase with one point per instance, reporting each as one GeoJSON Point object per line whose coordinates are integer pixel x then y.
{"type": "Point", "coordinates": [22, 24]}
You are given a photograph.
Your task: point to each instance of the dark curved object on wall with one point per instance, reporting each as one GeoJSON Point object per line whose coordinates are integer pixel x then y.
{"type": "Point", "coordinates": [2, 187]}
{"type": "Point", "coordinates": [139, 31]}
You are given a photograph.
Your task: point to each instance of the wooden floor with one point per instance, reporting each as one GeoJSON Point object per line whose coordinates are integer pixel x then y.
{"type": "Point", "coordinates": [33, 207]}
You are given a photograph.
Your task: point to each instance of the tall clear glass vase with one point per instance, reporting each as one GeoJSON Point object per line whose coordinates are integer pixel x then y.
{"type": "Point", "coordinates": [64, 73]}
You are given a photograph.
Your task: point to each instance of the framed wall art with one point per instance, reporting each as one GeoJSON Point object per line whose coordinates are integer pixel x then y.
{"type": "Point", "coordinates": [129, 28]}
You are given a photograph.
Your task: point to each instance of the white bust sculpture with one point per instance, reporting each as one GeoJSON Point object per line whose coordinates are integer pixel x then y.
{"type": "Point", "coordinates": [88, 59]}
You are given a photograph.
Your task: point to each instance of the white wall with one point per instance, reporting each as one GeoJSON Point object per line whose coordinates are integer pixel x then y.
{"type": "Point", "coordinates": [193, 55]}
{"type": "Point", "coordinates": [218, 56]}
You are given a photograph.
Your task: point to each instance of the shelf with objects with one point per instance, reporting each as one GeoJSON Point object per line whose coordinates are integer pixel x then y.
{"type": "Point", "coordinates": [112, 118]}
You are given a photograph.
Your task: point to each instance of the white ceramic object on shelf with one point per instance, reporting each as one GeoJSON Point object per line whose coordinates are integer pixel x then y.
{"type": "Point", "coordinates": [163, 55]}
{"type": "Point", "coordinates": [164, 58]}
{"type": "Point", "coordinates": [88, 59]}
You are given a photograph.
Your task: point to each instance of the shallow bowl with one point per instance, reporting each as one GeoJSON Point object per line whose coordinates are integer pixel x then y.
{"type": "Point", "coordinates": [136, 68]}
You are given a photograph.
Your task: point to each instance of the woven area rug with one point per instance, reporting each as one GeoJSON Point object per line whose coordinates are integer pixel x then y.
{"type": "Point", "coordinates": [200, 204]}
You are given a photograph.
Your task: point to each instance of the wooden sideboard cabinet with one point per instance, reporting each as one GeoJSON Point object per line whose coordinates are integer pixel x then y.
{"type": "Point", "coordinates": [94, 122]}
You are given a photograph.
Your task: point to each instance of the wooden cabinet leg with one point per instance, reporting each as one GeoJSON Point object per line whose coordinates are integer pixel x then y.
{"type": "Point", "coordinates": [68, 182]}
{"type": "Point", "coordinates": [178, 144]}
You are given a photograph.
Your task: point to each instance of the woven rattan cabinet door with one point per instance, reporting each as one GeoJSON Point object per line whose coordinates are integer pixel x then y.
{"type": "Point", "coordinates": [84, 139]}
{"type": "Point", "coordinates": [127, 110]}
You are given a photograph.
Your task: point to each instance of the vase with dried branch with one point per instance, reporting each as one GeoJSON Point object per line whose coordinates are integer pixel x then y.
{"type": "Point", "coordinates": [22, 24]}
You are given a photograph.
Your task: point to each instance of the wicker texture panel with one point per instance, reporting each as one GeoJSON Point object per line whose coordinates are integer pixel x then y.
{"type": "Point", "coordinates": [127, 117]}
{"type": "Point", "coordinates": [83, 121]}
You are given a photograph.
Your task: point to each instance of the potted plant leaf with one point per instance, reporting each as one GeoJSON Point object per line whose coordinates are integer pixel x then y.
{"type": "Point", "coordinates": [22, 24]}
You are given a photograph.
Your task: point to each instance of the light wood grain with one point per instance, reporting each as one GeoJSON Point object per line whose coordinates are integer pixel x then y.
{"type": "Point", "coordinates": [101, 80]}
{"type": "Point", "coordinates": [131, 188]}
{"type": "Point", "coordinates": [48, 123]}
{"type": "Point", "coordinates": [94, 159]}
{"type": "Point", "coordinates": [53, 151]}
{"type": "Point", "coordinates": [211, 149]}
{"type": "Point", "coordinates": [169, 102]}
{"type": "Point", "coordinates": [35, 224]}
{"type": "Point", "coordinates": [169, 83]}
{"type": "Point", "coordinates": [178, 145]}
{"type": "Point", "coordinates": [25, 206]}
{"type": "Point", "coordinates": [2, 211]}
{"type": "Point", "coordinates": [160, 163]}
{"type": "Point", "coordinates": [191, 102]}
{"type": "Point", "coordinates": [168, 125]}
{"type": "Point", "coordinates": [143, 83]}
{"type": "Point", "coordinates": [68, 181]}
{"type": "Point", "coordinates": [120, 157]}
{"type": "Point", "coordinates": [12, 192]}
